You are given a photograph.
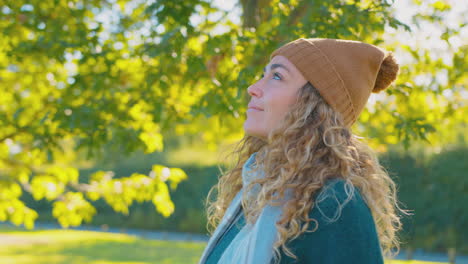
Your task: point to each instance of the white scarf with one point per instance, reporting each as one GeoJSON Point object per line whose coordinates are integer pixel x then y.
{"type": "Point", "coordinates": [254, 243]}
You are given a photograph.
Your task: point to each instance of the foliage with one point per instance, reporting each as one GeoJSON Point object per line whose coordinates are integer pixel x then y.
{"type": "Point", "coordinates": [428, 100]}
{"type": "Point", "coordinates": [433, 190]}
{"type": "Point", "coordinates": [188, 198]}
{"type": "Point", "coordinates": [448, 187]}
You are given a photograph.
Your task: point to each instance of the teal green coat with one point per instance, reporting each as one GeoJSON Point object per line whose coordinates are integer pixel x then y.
{"type": "Point", "coordinates": [352, 239]}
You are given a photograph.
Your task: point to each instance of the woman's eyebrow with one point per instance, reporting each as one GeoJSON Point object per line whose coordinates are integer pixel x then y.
{"type": "Point", "coordinates": [276, 65]}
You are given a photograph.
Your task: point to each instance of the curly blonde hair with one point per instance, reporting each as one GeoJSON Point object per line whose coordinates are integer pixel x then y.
{"type": "Point", "coordinates": [310, 146]}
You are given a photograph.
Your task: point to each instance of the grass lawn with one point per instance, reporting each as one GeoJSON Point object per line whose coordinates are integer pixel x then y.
{"type": "Point", "coordinates": [72, 247]}
{"type": "Point", "coordinates": [18, 246]}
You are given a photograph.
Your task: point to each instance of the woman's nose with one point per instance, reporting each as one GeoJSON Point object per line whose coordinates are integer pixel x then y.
{"type": "Point", "coordinates": [255, 90]}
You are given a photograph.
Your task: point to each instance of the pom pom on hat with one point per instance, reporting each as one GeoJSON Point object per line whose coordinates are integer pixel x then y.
{"type": "Point", "coordinates": [388, 72]}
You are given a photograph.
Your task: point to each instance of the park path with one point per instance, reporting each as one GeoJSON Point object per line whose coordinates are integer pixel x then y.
{"type": "Point", "coordinates": [147, 234]}
{"type": "Point", "coordinates": [190, 237]}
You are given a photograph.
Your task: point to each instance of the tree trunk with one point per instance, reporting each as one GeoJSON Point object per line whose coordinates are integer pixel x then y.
{"type": "Point", "coordinates": [409, 253]}
{"type": "Point", "coordinates": [451, 255]}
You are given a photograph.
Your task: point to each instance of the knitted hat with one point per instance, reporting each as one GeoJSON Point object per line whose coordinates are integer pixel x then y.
{"type": "Point", "coordinates": [344, 72]}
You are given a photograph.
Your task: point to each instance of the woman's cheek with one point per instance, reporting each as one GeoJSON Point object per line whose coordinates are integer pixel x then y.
{"type": "Point", "coordinates": [269, 115]}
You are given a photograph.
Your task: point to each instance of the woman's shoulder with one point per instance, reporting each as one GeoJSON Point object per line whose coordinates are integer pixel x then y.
{"type": "Point", "coordinates": [343, 230]}
{"type": "Point", "coordinates": [336, 197]}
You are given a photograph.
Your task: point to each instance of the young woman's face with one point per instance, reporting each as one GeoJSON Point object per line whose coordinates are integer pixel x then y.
{"type": "Point", "coordinates": [271, 96]}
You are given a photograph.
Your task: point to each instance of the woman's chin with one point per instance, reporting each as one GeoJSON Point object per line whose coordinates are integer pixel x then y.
{"type": "Point", "coordinates": [251, 130]}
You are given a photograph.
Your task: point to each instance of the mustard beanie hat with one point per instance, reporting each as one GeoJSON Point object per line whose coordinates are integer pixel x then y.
{"type": "Point", "coordinates": [344, 72]}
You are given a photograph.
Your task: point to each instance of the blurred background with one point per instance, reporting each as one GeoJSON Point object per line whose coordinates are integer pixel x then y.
{"type": "Point", "coordinates": [117, 116]}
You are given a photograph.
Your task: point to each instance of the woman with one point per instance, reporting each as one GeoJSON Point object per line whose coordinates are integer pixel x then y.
{"type": "Point", "coordinates": [305, 189]}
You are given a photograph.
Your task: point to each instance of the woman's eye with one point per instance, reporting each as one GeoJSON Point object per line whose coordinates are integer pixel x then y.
{"type": "Point", "coordinates": [275, 75]}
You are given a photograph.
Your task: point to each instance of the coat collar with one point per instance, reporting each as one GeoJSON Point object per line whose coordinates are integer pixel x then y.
{"type": "Point", "coordinates": [231, 211]}
{"type": "Point", "coordinates": [223, 225]}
